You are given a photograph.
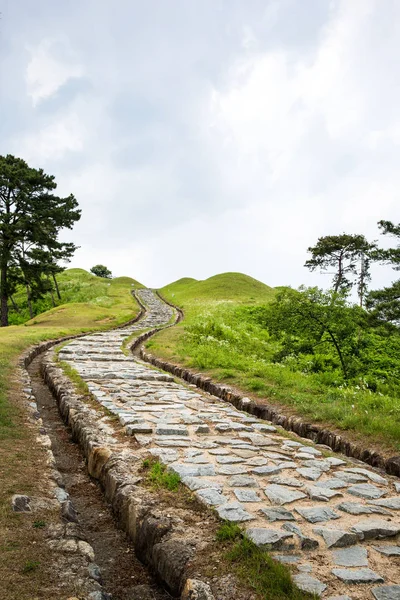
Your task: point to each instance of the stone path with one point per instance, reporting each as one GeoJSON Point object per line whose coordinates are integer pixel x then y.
{"type": "Point", "coordinates": [335, 521]}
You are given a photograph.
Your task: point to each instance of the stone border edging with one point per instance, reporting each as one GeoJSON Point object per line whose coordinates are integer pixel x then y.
{"type": "Point", "coordinates": [268, 412]}
{"type": "Point", "coordinates": [65, 505]}
{"type": "Point", "coordinates": [157, 541]}
{"type": "Point", "coordinates": [145, 336]}
{"type": "Point", "coordinates": [180, 313]}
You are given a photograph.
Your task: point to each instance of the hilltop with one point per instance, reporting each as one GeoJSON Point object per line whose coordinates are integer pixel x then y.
{"type": "Point", "coordinates": [225, 286]}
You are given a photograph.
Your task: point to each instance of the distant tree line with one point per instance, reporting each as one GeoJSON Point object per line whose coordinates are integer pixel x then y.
{"type": "Point", "coordinates": [31, 219]}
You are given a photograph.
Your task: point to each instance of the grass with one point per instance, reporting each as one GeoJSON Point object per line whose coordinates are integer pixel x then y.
{"type": "Point", "coordinates": [79, 384]}
{"type": "Point", "coordinates": [95, 294]}
{"type": "Point", "coordinates": [228, 531]}
{"type": "Point", "coordinates": [230, 287]}
{"type": "Point", "coordinates": [22, 460]}
{"type": "Point", "coordinates": [256, 568]}
{"type": "Point", "coordinates": [30, 565]}
{"type": "Point", "coordinates": [218, 337]}
{"type": "Point", "coordinates": [159, 477]}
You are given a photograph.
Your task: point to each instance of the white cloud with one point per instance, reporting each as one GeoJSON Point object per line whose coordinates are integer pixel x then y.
{"type": "Point", "coordinates": [52, 63]}
{"type": "Point", "coordinates": [272, 100]}
{"type": "Point", "coordinates": [249, 39]}
{"type": "Point", "coordinates": [284, 126]}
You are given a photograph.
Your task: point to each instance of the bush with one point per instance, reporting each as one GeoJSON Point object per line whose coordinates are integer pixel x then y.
{"type": "Point", "coordinates": [101, 271]}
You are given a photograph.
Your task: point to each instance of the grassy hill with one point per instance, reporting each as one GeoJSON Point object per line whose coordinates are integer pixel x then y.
{"type": "Point", "coordinates": [230, 287]}
{"type": "Point", "coordinates": [222, 337]}
{"type": "Point", "coordinates": [213, 335]}
{"type": "Point", "coordinates": [76, 286]}
{"type": "Point", "coordinates": [210, 307]}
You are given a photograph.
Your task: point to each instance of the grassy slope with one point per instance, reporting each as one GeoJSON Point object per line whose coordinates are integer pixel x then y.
{"type": "Point", "coordinates": [102, 304]}
{"type": "Point", "coordinates": [225, 287]}
{"type": "Point", "coordinates": [214, 298]}
{"type": "Point", "coordinates": [77, 286]}
{"type": "Point", "coordinates": [216, 339]}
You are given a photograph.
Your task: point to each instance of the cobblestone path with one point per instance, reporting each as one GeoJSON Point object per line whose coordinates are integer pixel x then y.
{"type": "Point", "coordinates": [334, 520]}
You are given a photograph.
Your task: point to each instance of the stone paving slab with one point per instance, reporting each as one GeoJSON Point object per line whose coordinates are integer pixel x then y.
{"type": "Point", "coordinates": [334, 520]}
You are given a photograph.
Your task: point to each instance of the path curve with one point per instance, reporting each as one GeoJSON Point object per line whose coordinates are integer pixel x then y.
{"type": "Point", "coordinates": [336, 521]}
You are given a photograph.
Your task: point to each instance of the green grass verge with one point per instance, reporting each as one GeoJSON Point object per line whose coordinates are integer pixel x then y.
{"type": "Point", "coordinates": [218, 337]}
{"type": "Point", "coordinates": [159, 477]}
{"type": "Point", "coordinates": [256, 568]}
{"type": "Point", "coordinates": [79, 384]}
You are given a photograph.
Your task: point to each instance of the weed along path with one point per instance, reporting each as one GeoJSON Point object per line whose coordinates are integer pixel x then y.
{"type": "Point", "coordinates": [333, 521]}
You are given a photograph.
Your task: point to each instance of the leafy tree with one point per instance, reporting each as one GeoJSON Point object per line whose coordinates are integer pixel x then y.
{"type": "Point", "coordinates": [35, 265]}
{"type": "Point", "coordinates": [385, 304]}
{"type": "Point", "coordinates": [296, 319]}
{"type": "Point", "coordinates": [101, 271]}
{"type": "Point", "coordinates": [349, 256]}
{"type": "Point", "coordinates": [31, 216]}
{"type": "Point", "coordinates": [364, 275]}
{"type": "Point", "coordinates": [15, 278]}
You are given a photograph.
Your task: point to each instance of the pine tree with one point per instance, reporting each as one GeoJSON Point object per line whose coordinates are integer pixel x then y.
{"type": "Point", "coordinates": [348, 255]}
{"type": "Point", "coordinates": [385, 304]}
{"type": "Point", "coordinates": [31, 216]}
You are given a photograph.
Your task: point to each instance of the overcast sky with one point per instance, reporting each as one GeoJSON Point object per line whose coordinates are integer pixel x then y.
{"type": "Point", "coordinates": [204, 136]}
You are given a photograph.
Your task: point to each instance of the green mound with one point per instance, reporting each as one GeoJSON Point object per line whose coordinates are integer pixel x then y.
{"type": "Point", "coordinates": [76, 286]}
{"type": "Point", "coordinates": [226, 286]}
{"type": "Point", "coordinates": [126, 280]}
{"type": "Point", "coordinates": [184, 281]}
{"type": "Point", "coordinates": [76, 272]}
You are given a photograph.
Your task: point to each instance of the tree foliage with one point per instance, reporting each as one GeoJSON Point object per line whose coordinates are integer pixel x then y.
{"type": "Point", "coordinates": [348, 255]}
{"type": "Point", "coordinates": [391, 255]}
{"type": "Point", "coordinates": [384, 304]}
{"type": "Point", "coordinates": [101, 271]}
{"type": "Point", "coordinates": [308, 320]}
{"type": "Point", "coordinates": [31, 218]}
